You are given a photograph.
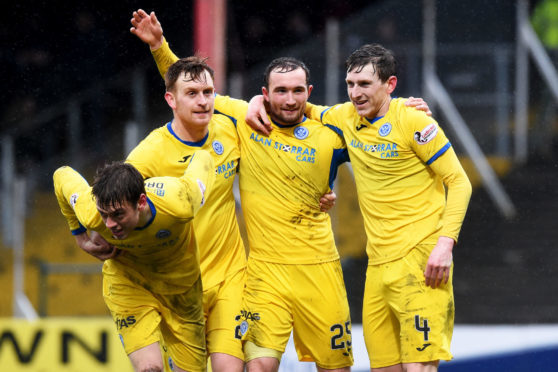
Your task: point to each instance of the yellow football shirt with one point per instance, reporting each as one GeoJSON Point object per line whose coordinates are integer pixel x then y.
{"type": "Point", "coordinates": [162, 255]}
{"type": "Point", "coordinates": [401, 162]}
{"type": "Point", "coordinates": [162, 153]}
{"type": "Point", "coordinates": [282, 179]}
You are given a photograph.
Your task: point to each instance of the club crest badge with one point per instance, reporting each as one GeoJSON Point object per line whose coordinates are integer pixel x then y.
{"type": "Point", "coordinates": [218, 147]}
{"type": "Point", "coordinates": [301, 133]}
{"type": "Point", "coordinates": [385, 130]}
{"type": "Point", "coordinates": [243, 327]}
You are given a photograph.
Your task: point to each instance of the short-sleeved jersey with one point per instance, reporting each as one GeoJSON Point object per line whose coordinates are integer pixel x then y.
{"type": "Point", "coordinates": [162, 255]}
{"type": "Point", "coordinates": [282, 179]}
{"type": "Point", "coordinates": [163, 153]}
{"type": "Point", "coordinates": [401, 162]}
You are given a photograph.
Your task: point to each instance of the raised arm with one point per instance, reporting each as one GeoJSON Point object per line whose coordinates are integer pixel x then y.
{"type": "Point", "coordinates": [149, 30]}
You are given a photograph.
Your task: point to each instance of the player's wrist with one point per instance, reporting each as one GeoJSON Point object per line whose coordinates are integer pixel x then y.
{"type": "Point", "coordinates": [447, 242]}
{"type": "Point", "coordinates": [157, 44]}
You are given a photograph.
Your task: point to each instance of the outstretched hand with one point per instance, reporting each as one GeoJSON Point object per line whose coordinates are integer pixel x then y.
{"type": "Point", "coordinates": [148, 28]}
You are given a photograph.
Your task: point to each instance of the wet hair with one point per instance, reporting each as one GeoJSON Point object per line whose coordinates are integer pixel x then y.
{"type": "Point", "coordinates": [382, 59]}
{"type": "Point", "coordinates": [193, 66]}
{"type": "Point", "coordinates": [285, 64]}
{"type": "Point", "coordinates": [117, 183]}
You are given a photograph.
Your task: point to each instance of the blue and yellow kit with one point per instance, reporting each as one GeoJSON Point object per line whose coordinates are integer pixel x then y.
{"type": "Point", "coordinates": [401, 162]}
{"type": "Point", "coordinates": [283, 177]}
{"type": "Point", "coordinates": [162, 255]}
{"type": "Point", "coordinates": [156, 278]}
{"type": "Point", "coordinates": [163, 153]}
{"type": "Point", "coordinates": [292, 248]}
{"type": "Point", "coordinates": [223, 256]}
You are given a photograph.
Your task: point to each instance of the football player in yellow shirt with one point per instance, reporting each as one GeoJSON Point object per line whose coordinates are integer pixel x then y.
{"type": "Point", "coordinates": [294, 278]}
{"type": "Point", "coordinates": [288, 237]}
{"type": "Point", "coordinates": [404, 165]}
{"type": "Point", "coordinates": [152, 287]}
{"type": "Point", "coordinates": [166, 152]}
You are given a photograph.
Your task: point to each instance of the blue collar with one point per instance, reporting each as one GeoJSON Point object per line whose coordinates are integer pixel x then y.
{"type": "Point", "coordinates": [290, 125]}
{"type": "Point", "coordinates": [153, 213]}
{"type": "Point", "coordinates": [196, 144]}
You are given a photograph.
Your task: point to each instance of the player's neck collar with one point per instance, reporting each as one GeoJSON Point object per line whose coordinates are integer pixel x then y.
{"type": "Point", "coordinates": [290, 125]}
{"type": "Point", "coordinates": [189, 143]}
{"type": "Point", "coordinates": [372, 121]}
{"type": "Point", "coordinates": [153, 213]}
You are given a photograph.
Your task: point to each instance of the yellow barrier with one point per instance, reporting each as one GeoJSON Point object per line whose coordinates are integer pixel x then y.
{"type": "Point", "coordinates": [62, 345]}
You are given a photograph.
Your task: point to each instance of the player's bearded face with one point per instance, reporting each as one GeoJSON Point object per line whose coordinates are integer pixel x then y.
{"type": "Point", "coordinates": [367, 92]}
{"type": "Point", "coordinates": [120, 219]}
{"type": "Point", "coordinates": [194, 99]}
{"type": "Point", "coordinates": [286, 96]}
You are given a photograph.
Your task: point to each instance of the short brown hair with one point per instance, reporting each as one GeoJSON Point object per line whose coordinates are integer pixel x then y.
{"type": "Point", "coordinates": [285, 64]}
{"type": "Point", "coordinates": [193, 66]}
{"type": "Point", "coordinates": [382, 59]}
{"type": "Point", "coordinates": [117, 183]}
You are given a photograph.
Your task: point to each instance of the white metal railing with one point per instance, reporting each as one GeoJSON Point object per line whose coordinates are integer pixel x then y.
{"type": "Point", "coordinates": [436, 92]}
{"type": "Point", "coordinates": [467, 140]}
{"type": "Point", "coordinates": [528, 42]}
{"type": "Point", "coordinates": [22, 306]}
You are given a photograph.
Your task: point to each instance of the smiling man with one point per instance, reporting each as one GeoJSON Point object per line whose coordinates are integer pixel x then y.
{"type": "Point", "coordinates": [153, 287]}
{"type": "Point", "coordinates": [403, 164]}
{"type": "Point", "coordinates": [282, 180]}
{"type": "Point", "coordinates": [165, 152]}
{"type": "Point", "coordinates": [294, 278]}
{"type": "Point", "coordinates": [282, 183]}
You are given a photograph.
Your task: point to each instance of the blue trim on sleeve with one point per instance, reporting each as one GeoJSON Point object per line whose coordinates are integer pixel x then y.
{"type": "Point", "coordinates": [196, 144]}
{"type": "Point", "coordinates": [80, 230]}
{"type": "Point", "coordinates": [153, 213]}
{"type": "Point", "coordinates": [323, 113]}
{"type": "Point", "coordinates": [339, 157]}
{"type": "Point", "coordinates": [439, 153]}
{"type": "Point", "coordinates": [335, 129]}
{"type": "Point", "coordinates": [233, 119]}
